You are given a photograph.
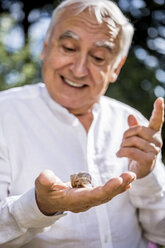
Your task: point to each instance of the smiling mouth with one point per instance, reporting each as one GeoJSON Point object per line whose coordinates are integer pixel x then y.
{"type": "Point", "coordinates": [72, 84]}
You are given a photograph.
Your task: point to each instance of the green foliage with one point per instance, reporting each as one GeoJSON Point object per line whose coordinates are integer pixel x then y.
{"type": "Point", "coordinates": [16, 67]}
{"type": "Point", "coordinates": [135, 86]}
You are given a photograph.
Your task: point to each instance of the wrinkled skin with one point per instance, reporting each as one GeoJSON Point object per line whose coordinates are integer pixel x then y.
{"type": "Point", "coordinates": [53, 195]}
{"type": "Point", "coordinates": [74, 54]}
{"type": "Point", "coordinates": [142, 144]}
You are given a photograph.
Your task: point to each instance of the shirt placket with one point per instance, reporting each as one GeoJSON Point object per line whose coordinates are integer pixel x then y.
{"type": "Point", "coordinates": [101, 211]}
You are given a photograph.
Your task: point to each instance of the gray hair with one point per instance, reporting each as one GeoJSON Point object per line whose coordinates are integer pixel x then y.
{"type": "Point", "coordinates": [102, 9]}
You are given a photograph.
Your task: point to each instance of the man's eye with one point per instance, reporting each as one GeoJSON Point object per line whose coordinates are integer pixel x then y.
{"type": "Point", "coordinates": [98, 59]}
{"type": "Point", "coordinates": [68, 49]}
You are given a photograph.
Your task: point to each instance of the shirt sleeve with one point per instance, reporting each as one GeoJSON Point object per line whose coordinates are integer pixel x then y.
{"type": "Point", "coordinates": [148, 195]}
{"type": "Point", "coordinates": [16, 226]}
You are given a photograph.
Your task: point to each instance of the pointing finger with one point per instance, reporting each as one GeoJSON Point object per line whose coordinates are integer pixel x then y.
{"type": "Point", "coordinates": [157, 117]}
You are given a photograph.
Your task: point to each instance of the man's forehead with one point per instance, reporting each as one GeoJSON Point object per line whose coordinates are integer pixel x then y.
{"type": "Point", "coordinates": [85, 20]}
{"type": "Point", "coordinates": [85, 26]}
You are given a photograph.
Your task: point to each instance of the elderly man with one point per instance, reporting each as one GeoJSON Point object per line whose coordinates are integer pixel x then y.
{"type": "Point", "coordinates": [53, 130]}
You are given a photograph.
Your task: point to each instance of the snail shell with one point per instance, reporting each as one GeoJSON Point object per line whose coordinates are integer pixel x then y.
{"type": "Point", "coordinates": [81, 180]}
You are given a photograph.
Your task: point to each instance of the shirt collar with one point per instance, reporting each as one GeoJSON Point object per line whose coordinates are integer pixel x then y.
{"type": "Point", "coordinates": [61, 111]}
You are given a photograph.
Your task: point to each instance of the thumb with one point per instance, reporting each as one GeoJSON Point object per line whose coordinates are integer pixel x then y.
{"type": "Point", "coordinates": [47, 181]}
{"type": "Point", "coordinates": [132, 121]}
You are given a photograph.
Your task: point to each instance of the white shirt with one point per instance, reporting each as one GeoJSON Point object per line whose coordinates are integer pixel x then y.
{"type": "Point", "coordinates": [36, 133]}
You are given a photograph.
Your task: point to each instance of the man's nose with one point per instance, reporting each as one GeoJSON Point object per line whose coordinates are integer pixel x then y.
{"type": "Point", "coordinates": [79, 66]}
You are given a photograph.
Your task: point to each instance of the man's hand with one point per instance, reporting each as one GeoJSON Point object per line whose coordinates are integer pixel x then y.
{"type": "Point", "coordinates": [142, 144]}
{"type": "Point", "coordinates": [52, 195]}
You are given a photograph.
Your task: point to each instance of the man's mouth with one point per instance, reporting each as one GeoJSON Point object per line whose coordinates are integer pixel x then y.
{"type": "Point", "coordinates": [73, 84]}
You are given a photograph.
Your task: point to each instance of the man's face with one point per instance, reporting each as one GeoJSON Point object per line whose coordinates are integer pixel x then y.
{"type": "Point", "coordinates": [77, 61]}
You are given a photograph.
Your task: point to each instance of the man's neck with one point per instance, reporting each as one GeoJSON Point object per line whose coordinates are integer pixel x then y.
{"type": "Point", "coordinates": [86, 120]}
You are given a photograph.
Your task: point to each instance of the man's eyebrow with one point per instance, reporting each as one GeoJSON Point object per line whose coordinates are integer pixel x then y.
{"type": "Point", "coordinates": [69, 34]}
{"type": "Point", "coordinates": [105, 44]}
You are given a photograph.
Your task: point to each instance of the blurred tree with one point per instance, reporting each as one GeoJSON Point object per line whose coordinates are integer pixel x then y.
{"type": "Point", "coordinates": [22, 28]}
{"type": "Point", "coordinates": [17, 68]}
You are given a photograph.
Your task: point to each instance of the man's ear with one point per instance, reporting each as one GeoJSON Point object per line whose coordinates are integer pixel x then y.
{"type": "Point", "coordinates": [116, 71]}
{"type": "Point", "coordinates": [43, 50]}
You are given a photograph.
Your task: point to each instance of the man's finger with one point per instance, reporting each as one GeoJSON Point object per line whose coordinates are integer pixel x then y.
{"type": "Point", "coordinates": [111, 188]}
{"type": "Point", "coordinates": [132, 121]}
{"type": "Point", "coordinates": [157, 117]}
{"type": "Point", "coordinates": [49, 181]}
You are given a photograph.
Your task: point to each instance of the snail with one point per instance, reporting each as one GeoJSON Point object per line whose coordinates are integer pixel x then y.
{"type": "Point", "coordinates": [81, 180]}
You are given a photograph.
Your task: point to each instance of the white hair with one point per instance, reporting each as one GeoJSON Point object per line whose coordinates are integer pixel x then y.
{"type": "Point", "coordinates": [106, 9]}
